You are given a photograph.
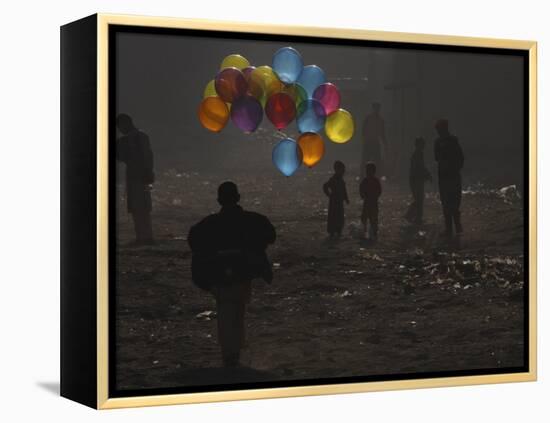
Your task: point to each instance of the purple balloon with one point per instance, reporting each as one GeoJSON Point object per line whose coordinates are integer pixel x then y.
{"type": "Point", "coordinates": [247, 113]}
{"type": "Point", "coordinates": [329, 96]}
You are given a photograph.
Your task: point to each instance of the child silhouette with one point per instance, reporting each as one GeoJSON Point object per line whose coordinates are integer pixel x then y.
{"type": "Point", "coordinates": [335, 190]}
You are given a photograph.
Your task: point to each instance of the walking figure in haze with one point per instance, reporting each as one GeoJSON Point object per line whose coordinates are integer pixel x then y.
{"type": "Point", "coordinates": [374, 144]}
{"type": "Point", "coordinates": [134, 150]}
{"type": "Point", "coordinates": [370, 191]}
{"type": "Point", "coordinates": [335, 190]}
{"type": "Point", "coordinates": [450, 160]}
{"type": "Point", "coordinates": [229, 250]}
{"type": "Point", "coordinates": [418, 175]}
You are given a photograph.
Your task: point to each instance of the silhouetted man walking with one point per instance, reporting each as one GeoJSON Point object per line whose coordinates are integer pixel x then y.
{"type": "Point", "coordinates": [134, 150]}
{"type": "Point", "coordinates": [374, 143]}
{"type": "Point", "coordinates": [229, 250]}
{"type": "Point", "coordinates": [450, 160]}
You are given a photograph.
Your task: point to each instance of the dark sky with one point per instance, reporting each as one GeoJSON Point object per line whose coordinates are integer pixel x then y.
{"type": "Point", "coordinates": [161, 78]}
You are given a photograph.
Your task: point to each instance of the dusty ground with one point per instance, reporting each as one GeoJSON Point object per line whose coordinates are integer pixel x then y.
{"type": "Point", "coordinates": [410, 303]}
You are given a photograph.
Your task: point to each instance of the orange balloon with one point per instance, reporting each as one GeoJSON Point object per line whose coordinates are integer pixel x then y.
{"type": "Point", "coordinates": [313, 148]}
{"type": "Point", "coordinates": [213, 113]}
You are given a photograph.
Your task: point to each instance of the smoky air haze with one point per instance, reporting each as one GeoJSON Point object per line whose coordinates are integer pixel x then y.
{"type": "Point", "coordinates": [160, 81]}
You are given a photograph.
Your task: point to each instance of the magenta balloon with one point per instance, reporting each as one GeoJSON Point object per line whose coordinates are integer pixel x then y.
{"type": "Point", "coordinates": [247, 113]}
{"type": "Point", "coordinates": [328, 95]}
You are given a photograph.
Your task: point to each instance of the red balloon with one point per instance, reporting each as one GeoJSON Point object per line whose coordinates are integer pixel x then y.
{"type": "Point", "coordinates": [230, 84]}
{"type": "Point", "coordinates": [280, 110]}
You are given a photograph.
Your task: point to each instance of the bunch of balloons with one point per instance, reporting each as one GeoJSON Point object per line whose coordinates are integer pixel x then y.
{"type": "Point", "coordinates": [286, 91]}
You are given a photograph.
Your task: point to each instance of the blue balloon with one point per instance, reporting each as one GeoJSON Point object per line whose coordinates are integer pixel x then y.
{"type": "Point", "coordinates": [311, 77]}
{"type": "Point", "coordinates": [311, 116]}
{"type": "Point", "coordinates": [287, 64]}
{"type": "Point", "coordinates": [287, 156]}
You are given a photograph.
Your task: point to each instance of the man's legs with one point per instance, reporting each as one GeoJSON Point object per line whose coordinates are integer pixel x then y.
{"type": "Point", "coordinates": [364, 221]}
{"type": "Point", "coordinates": [373, 217]}
{"type": "Point", "coordinates": [419, 201]}
{"type": "Point", "coordinates": [447, 210]}
{"type": "Point", "coordinates": [448, 216]}
{"type": "Point", "coordinates": [231, 306]}
{"type": "Point", "coordinates": [143, 226]}
{"type": "Point", "coordinates": [456, 220]}
{"type": "Point", "coordinates": [456, 205]}
{"type": "Point", "coordinates": [136, 217]}
{"type": "Point", "coordinates": [416, 208]}
{"type": "Point", "coordinates": [445, 196]}
{"type": "Point", "coordinates": [147, 227]}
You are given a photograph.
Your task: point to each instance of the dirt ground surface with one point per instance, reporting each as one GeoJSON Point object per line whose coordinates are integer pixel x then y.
{"type": "Point", "coordinates": [412, 302]}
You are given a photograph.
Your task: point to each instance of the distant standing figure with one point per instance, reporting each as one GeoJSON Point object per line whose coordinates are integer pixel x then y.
{"type": "Point", "coordinates": [229, 250]}
{"type": "Point", "coordinates": [374, 144]}
{"type": "Point", "coordinates": [134, 150]}
{"type": "Point", "coordinates": [370, 191]}
{"type": "Point", "coordinates": [335, 190]}
{"type": "Point", "coordinates": [450, 159]}
{"type": "Point", "coordinates": [418, 175]}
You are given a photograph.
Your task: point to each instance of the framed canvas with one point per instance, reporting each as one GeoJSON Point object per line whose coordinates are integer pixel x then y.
{"type": "Point", "coordinates": [255, 211]}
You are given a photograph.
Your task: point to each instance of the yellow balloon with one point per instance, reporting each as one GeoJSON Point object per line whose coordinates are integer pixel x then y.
{"type": "Point", "coordinates": [235, 61]}
{"type": "Point", "coordinates": [210, 89]}
{"type": "Point", "coordinates": [339, 126]}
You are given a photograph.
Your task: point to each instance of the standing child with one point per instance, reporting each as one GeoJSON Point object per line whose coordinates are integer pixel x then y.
{"type": "Point", "coordinates": [418, 175]}
{"type": "Point", "coordinates": [370, 190]}
{"type": "Point", "coordinates": [335, 190]}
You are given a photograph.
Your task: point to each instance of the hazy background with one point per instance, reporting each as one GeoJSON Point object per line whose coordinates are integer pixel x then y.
{"type": "Point", "coordinates": [161, 78]}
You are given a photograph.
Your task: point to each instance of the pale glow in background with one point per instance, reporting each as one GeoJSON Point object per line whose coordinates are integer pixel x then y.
{"type": "Point", "coordinates": [29, 170]}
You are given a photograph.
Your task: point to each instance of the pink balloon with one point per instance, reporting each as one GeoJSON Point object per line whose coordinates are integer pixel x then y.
{"type": "Point", "coordinates": [328, 95]}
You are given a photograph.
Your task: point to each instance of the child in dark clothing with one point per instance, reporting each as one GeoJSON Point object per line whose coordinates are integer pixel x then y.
{"type": "Point", "coordinates": [370, 190]}
{"type": "Point", "coordinates": [335, 190]}
{"type": "Point", "coordinates": [418, 175]}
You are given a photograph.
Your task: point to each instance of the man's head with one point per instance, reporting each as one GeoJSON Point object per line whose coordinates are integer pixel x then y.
{"type": "Point", "coordinates": [376, 107]}
{"type": "Point", "coordinates": [370, 168]}
{"type": "Point", "coordinates": [419, 143]}
{"type": "Point", "coordinates": [339, 167]}
{"type": "Point", "coordinates": [124, 123]}
{"type": "Point", "coordinates": [442, 127]}
{"type": "Point", "coordinates": [228, 194]}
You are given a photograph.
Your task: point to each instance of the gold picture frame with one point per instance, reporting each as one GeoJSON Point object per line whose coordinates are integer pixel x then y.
{"type": "Point", "coordinates": [101, 22]}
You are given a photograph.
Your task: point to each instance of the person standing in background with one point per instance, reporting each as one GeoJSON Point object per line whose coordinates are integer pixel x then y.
{"type": "Point", "coordinates": [450, 159]}
{"type": "Point", "coordinates": [374, 140]}
{"type": "Point", "coordinates": [418, 175]}
{"type": "Point", "coordinates": [134, 150]}
{"type": "Point", "coordinates": [370, 191]}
